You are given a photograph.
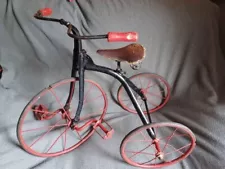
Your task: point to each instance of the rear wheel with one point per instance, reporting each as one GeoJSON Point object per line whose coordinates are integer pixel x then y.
{"type": "Point", "coordinates": [174, 142]}
{"type": "Point", "coordinates": [155, 88]}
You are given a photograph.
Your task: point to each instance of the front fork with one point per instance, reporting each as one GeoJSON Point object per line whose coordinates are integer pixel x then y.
{"type": "Point", "coordinates": [80, 69]}
{"type": "Point", "coordinates": [150, 131]}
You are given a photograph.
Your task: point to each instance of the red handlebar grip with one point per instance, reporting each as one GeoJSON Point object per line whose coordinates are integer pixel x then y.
{"type": "Point", "coordinates": [45, 11]}
{"type": "Point", "coordinates": [122, 36]}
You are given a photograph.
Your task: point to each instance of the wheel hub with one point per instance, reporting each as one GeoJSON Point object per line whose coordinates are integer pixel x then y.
{"type": "Point", "coordinates": [143, 90]}
{"type": "Point", "coordinates": [160, 155]}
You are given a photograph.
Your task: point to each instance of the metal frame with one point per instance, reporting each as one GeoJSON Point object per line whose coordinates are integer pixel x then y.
{"type": "Point", "coordinates": [82, 62]}
{"type": "Point", "coordinates": [1, 71]}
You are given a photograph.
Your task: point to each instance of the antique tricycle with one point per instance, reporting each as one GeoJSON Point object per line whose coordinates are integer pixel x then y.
{"type": "Point", "coordinates": [46, 131]}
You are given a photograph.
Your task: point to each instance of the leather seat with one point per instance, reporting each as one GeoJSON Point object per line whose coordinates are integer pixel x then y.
{"type": "Point", "coordinates": [132, 53]}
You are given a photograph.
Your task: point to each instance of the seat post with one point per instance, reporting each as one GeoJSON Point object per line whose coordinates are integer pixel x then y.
{"type": "Point", "coordinates": [119, 69]}
{"type": "Point", "coordinates": [118, 66]}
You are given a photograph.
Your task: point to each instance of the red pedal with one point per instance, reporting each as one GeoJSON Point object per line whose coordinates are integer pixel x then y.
{"type": "Point", "coordinates": [40, 112]}
{"type": "Point", "coordinates": [106, 129]}
{"type": "Point", "coordinates": [109, 134]}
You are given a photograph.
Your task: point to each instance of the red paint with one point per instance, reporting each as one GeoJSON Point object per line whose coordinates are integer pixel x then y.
{"type": "Point", "coordinates": [87, 124]}
{"type": "Point", "coordinates": [122, 36]}
{"type": "Point", "coordinates": [45, 11]}
{"type": "Point", "coordinates": [108, 132]}
{"type": "Point", "coordinates": [41, 112]}
{"type": "Point", "coordinates": [157, 146]}
{"type": "Point", "coordinates": [59, 122]}
{"type": "Point", "coordinates": [152, 163]}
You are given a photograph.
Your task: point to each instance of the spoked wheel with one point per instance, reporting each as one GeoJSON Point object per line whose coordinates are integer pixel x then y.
{"type": "Point", "coordinates": [44, 128]}
{"type": "Point", "coordinates": [154, 87]}
{"type": "Point", "coordinates": [173, 143]}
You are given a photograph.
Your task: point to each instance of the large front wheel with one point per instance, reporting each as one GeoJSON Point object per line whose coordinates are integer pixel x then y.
{"type": "Point", "coordinates": [44, 128]}
{"type": "Point", "coordinates": [173, 143]}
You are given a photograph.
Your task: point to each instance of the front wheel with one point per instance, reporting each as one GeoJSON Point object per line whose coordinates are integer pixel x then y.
{"type": "Point", "coordinates": [44, 128]}
{"type": "Point", "coordinates": [173, 143]}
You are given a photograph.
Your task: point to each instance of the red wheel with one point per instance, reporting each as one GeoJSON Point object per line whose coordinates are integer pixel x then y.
{"type": "Point", "coordinates": [173, 143]}
{"type": "Point", "coordinates": [155, 88]}
{"type": "Point", "coordinates": [44, 127]}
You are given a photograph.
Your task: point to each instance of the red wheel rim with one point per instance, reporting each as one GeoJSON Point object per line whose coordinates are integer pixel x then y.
{"type": "Point", "coordinates": [67, 144]}
{"type": "Point", "coordinates": [151, 96]}
{"type": "Point", "coordinates": [149, 157]}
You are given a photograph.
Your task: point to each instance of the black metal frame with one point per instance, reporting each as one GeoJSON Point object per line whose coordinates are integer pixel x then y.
{"type": "Point", "coordinates": [82, 62]}
{"type": "Point", "coordinates": [1, 71]}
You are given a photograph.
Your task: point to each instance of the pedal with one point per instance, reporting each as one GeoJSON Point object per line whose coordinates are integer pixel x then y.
{"type": "Point", "coordinates": [40, 112]}
{"type": "Point", "coordinates": [107, 130]}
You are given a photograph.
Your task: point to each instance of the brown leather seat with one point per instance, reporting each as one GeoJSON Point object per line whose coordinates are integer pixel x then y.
{"type": "Point", "coordinates": [132, 53]}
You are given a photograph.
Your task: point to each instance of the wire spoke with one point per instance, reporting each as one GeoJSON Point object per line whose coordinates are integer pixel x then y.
{"type": "Point", "coordinates": [148, 86]}
{"type": "Point", "coordinates": [40, 128]}
{"type": "Point", "coordinates": [57, 99]}
{"type": "Point", "coordinates": [57, 139]}
{"type": "Point", "coordinates": [133, 152]}
{"type": "Point", "coordinates": [153, 94]}
{"type": "Point", "coordinates": [141, 150]}
{"type": "Point", "coordinates": [45, 133]}
{"type": "Point", "coordinates": [170, 137]}
{"type": "Point", "coordinates": [150, 160]}
{"type": "Point", "coordinates": [177, 150]}
{"type": "Point", "coordinates": [85, 102]}
{"type": "Point", "coordinates": [85, 97]}
{"type": "Point", "coordinates": [140, 81]}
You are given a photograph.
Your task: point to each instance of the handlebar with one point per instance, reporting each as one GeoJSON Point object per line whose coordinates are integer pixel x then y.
{"type": "Point", "coordinates": [111, 36]}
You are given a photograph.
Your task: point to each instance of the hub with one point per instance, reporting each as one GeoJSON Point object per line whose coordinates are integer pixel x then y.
{"type": "Point", "coordinates": [160, 155]}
